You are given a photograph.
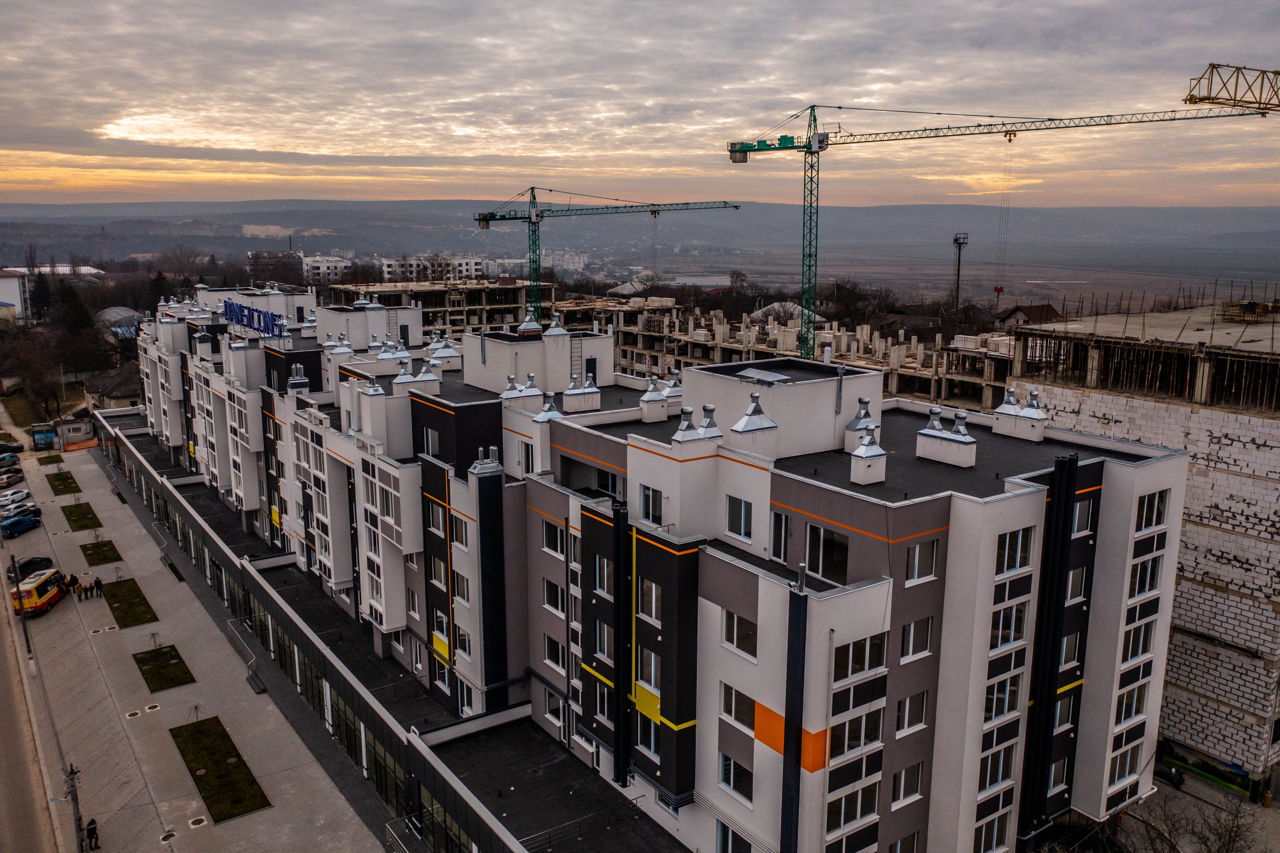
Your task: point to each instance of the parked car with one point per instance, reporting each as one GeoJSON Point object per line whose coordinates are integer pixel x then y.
{"type": "Point", "coordinates": [18, 525]}
{"type": "Point", "coordinates": [11, 447]}
{"type": "Point", "coordinates": [12, 510]}
{"type": "Point", "coordinates": [8, 478]}
{"type": "Point", "coordinates": [10, 460]}
{"type": "Point", "coordinates": [28, 566]}
{"type": "Point", "coordinates": [13, 496]}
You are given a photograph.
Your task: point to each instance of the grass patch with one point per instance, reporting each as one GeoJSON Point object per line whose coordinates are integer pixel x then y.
{"type": "Point", "coordinates": [81, 516]}
{"type": "Point", "coordinates": [225, 782]}
{"type": "Point", "coordinates": [128, 605]}
{"type": "Point", "coordinates": [63, 483]}
{"type": "Point", "coordinates": [98, 553]}
{"type": "Point", "coordinates": [5, 435]}
{"type": "Point", "coordinates": [20, 409]}
{"type": "Point", "coordinates": [163, 668]}
{"type": "Point", "coordinates": [51, 459]}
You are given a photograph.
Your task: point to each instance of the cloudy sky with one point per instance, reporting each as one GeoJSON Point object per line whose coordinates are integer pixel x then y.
{"type": "Point", "coordinates": [120, 100]}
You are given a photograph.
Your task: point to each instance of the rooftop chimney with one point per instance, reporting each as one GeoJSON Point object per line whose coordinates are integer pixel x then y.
{"type": "Point", "coordinates": [955, 447]}
{"type": "Point", "coordinates": [867, 461]}
{"type": "Point", "coordinates": [1027, 422]}
{"type": "Point", "coordinates": [653, 406]}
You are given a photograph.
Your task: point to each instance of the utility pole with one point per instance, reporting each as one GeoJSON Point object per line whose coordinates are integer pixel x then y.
{"type": "Point", "coordinates": [961, 240]}
{"type": "Point", "coordinates": [72, 794]}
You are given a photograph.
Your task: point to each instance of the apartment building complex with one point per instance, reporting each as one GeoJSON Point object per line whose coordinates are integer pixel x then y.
{"type": "Point", "coordinates": [324, 270]}
{"type": "Point", "coordinates": [740, 597]}
{"type": "Point", "coordinates": [458, 306]}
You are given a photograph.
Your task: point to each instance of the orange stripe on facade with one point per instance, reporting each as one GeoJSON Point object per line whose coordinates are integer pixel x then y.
{"type": "Point", "coordinates": [340, 456]}
{"type": "Point", "coordinates": [813, 750]}
{"type": "Point", "coordinates": [517, 432]}
{"type": "Point", "coordinates": [597, 518]}
{"type": "Point", "coordinates": [1090, 489]}
{"type": "Point", "coordinates": [769, 727]}
{"type": "Point", "coordinates": [451, 509]}
{"type": "Point", "coordinates": [858, 530]}
{"type": "Point", "coordinates": [665, 548]}
{"type": "Point", "coordinates": [434, 406]}
{"type": "Point", "coordinates": [697, 458]}
{"type": "Point", "coordinates": [548, 515]}
{"type": "Point", "coordinates": [274, 418]}
{"type": "Point", "coordinates": [585, 456]}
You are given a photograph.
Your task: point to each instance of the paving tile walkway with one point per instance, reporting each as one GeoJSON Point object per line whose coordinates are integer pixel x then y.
{"type": "Point", "coordinates": [117, 732]}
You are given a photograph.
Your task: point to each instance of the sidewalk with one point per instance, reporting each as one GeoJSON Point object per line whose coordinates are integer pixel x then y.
{"type": "Point", "coordinates": [117, 732]}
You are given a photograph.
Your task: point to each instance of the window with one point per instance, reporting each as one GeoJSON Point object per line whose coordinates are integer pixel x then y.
{"type": "Point", "coordinates": [1137, 640]}
{"type": "Point", "coordinates": [1002, 698]}
{"type": "Point", "coordinates": [995, 767]}
{"type": "Point", "coordinates": [461, 587]}
{"type": "Point", "coordinates": [1082, 518]}
{"type": "Point", "coordinates": [852, 807]}
{"type": "Point", "coordinates": [555, 652]}
{"type": "Point", "coordinates": [526, 457]}
{"type": "Point", "coordinates": [1131, 703]}
{"type": "Point", "coordinates": [910, 844]}
{"type": "Point", "coordinates": [411, 601]}
{"type": "Point", "coordinates": [1125, 764]}
{"type": "Point", "coordinates": [440, 624]}
{"type": "Point", "coordinates": [740, 632]}
{"type": "Point", "coordinates": [990, 836]}
{"type": "Point", "coordinates": [735, 777]}
{"type": "Point", "coordinates": [437, 518]}
{"type": "Point", "coordinates": [1058, 775]}
{"type": "Point", "coordinates": [739, 707]}
{"type": "Point", "coordinates": [648, 735]}
{"type": "Point", "coordinates": [1075, 584]}
{"type": "Point", "coordinates": [852, 735]}
{"type": "Point", "coordinates": [553, 595]}
{"type": "Point", "coordinates": [827, 554]}
{"type": "Point", "coordinates": [457, 530]}
{"type": "Point", "coordinates": [439, 673]}
{"type": "Point", "coordinates": [1144, 576]}
{"type": "Point", "coordinates": [466, 698]}
{"type": "Point", "coordinates": [575, 550]}
{"type": "Point", "coordinates": [1151, 509]}
{"type": "Point", "coordinates": [650, 601]}
{"type": "Point", "coordinates": [553, 537]}
{"type": "Point", "coordinates": [604, 641]}
{"type": "Point", "coordinates": [1070, 650]}
{"type": "Point", "coordinates": [604, 703]}
{"type": "Point", "coordinates": [915, 637]}
{"type": "Point", "coordinates": [397, 639]}
{"type": "Point", "coordinates": [859, 656]}
{"type": "Point", "coordinates": [415, 646]}
{"type": "Point", "coordinates": [1008, 625]}
{"type": "Point", "coordinates": [461, 641]}
{"type": "Point", "coordinates": [555, 708]}
{"type": "Point", "coordinates": [607, 482]}
{"type": "Point", "coordinates": [739, 523]}
{"type": "Point", "coordinates": [433, 441]}
{"type": "Point", "coordinates": [650, 669]}
{"type": "Point", "coordinates": [906, 782]}
{"type": "Point", "coordinates": [781, 531]}
{"type": "Point", "coordinates": [911, 711]}
{"type": "Point", "coordinates": [920, 560]}
{"type": "Point", "coordinates": [1013, 550]}
{"type": "Point", "coordinates": [604, 576]}
{"type": "Point", "coordinates": [1064, 712]}
{"type": "Point", "coordinates": [728, 841]}
{"type": "Point", "coordinates": [651, 505]}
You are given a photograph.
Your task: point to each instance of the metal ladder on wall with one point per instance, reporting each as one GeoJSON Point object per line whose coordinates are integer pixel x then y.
{"type": "Point", "coordinates": [575, 357]}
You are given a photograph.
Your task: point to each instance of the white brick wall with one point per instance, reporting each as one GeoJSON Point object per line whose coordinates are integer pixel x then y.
{"type": "Point", "coordinates": [1220, 697]}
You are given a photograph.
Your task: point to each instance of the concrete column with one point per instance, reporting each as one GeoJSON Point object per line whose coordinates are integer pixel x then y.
{"type": "Point", "coordinates": [1204, 378]}
{"type": "Point", "coordinates": [1094, 366]}
{"type": "Point", "coordinates": [1019, 357]}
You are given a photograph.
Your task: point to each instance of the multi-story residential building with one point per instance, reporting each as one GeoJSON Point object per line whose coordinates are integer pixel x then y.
{"type": "Point", "coordinates": [466, 305]}
{"type": "Point", "coordinates": [419, 268]}
{"type": "Point", "coordinates": [324, 270]}
{"type": "Point", "coordinates": [284, 267]}
{"type": "Point", "coordinates": [829, 621]}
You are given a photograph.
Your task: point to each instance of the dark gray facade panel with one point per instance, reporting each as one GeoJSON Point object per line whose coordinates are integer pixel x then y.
{"type": "Point", "coordinates": [729, 586]}
{"type": "Point", "coordinates": [737, 744]}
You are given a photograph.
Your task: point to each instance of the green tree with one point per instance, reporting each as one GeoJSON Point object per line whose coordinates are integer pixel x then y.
{"type": "Point", "coordinates": [41, 296]}
{"type": "Point", "coordinates": [161, 288]}
{"type": "Point", "coordinates": [70, 314]}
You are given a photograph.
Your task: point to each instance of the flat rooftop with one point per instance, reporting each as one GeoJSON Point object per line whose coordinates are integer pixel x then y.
{"type": "Point", "coordinates": [657, 431]}
{"type": "Point", "coordinates": [546, 797]}
{"type": "Point", "coordinates": [778, 371]}
{"type": "Point", "coordinates": [225, 522]}
{"type": "Point", "coordinates": [907, 477]}
{"type": "Point", "coordinates": [1186, 326]}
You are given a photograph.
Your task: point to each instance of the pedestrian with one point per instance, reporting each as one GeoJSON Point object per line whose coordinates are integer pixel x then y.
{"type": "Point", "coordinates": [79, 590]}
{"type": "Point", "coordinates": [91, 833]}
{"type": "Point", "coordinates": [97, 587]}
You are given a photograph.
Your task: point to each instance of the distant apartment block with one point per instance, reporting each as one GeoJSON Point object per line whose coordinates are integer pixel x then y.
{"type": "Point", "coordinates": [284, 267]}
{"type": "Point", "coordinates": [324, 270]}
{"type": "Point", "coordinates": [420, 268]}
{"type": "Point", "coordinates": [768, 605]}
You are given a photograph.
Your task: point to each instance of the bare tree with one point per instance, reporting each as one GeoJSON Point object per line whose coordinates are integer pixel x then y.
{"type": "Point", "coordinates": [1167, 823]}
{"type": "Point", "coordinates": [181, 259]}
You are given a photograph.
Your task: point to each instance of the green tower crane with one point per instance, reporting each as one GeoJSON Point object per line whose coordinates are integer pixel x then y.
{"type": "Point", "coordinates": [535, 214]}
{"type": "Point", "coordinates": [1240, 92]}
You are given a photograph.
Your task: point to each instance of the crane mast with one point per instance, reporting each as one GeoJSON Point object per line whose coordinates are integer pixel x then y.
{"type": "Point", "coordinates": [533, 215]}
{"type": "Point", "coordinates": [1236, 91]}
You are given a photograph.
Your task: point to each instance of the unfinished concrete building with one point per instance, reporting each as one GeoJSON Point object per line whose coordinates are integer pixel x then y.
{"type": "Point", "coordinates": [458, 306]}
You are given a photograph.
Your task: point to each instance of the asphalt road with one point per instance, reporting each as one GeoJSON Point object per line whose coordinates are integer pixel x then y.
{"type": "Point", "coordinates": [23, 801]}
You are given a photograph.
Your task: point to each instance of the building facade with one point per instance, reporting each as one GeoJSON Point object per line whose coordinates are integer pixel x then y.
{"type": "Point", "coordinates": [747, 627]}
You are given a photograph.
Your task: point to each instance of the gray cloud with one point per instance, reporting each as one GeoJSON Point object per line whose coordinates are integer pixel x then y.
{"type": "Point", "coordinates": [488, 91]}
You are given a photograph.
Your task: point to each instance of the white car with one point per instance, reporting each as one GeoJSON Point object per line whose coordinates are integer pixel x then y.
{"type": "Point", "coordinates": [17, 509]}
{"type": "Point", "coordinates": [13, 496]}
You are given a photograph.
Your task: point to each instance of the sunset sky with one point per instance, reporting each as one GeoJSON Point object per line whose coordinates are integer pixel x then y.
{"type": "Point", "coordinates": [125, 100]}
